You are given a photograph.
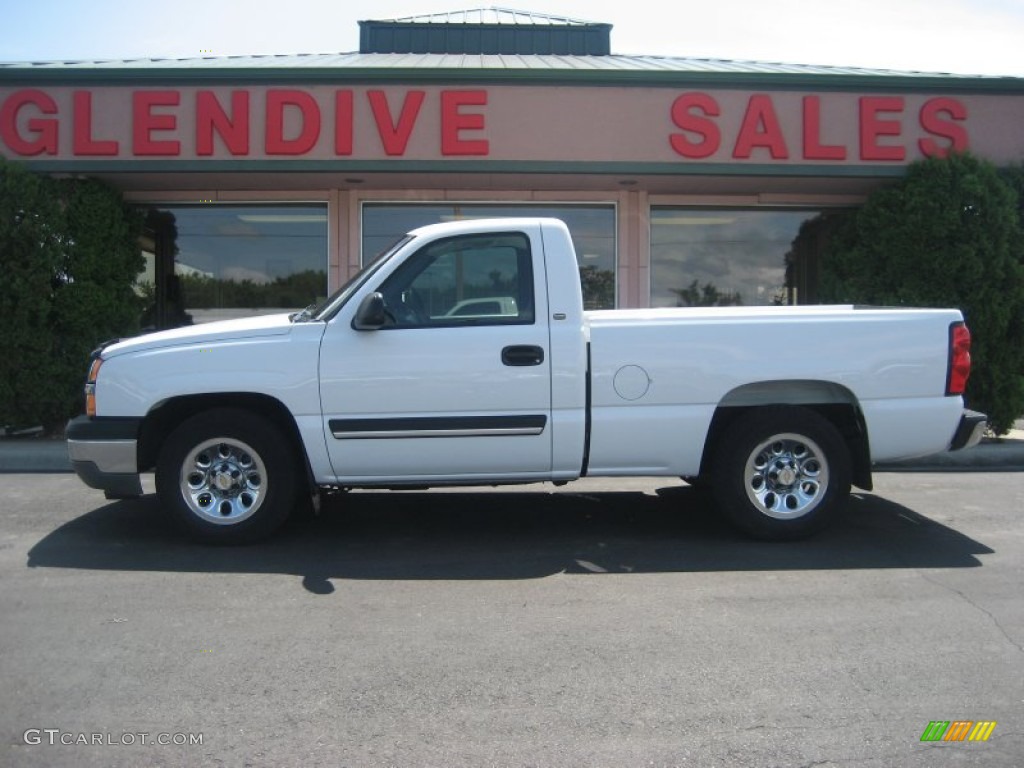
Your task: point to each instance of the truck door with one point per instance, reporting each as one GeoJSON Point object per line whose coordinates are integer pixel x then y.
{"type": "Point", "coordinates": [455, 384]}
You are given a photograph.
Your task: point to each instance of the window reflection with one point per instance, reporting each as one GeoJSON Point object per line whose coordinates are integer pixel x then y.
{"type": "Point", "coordinates": [214, 262]}
{"type": "Point", "coordinates": [721, 257]}
{"type": "Point", "coordinates": [462, 281]}
{"type": "Point", "coordinates": [592, 228]}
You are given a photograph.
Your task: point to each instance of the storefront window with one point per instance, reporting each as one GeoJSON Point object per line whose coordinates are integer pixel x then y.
{"type": "Point", "coordinates": [214, 262]}
{"type": "Point", "coordinates": [592, 228]}
{"type": "Point", "coordinates": [722, 257]}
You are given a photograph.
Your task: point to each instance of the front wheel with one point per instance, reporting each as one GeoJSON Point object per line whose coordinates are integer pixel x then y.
{"type": "Point", "coordinates": [781, 473]}
{"type": "Point", "coordinates": [227, 476]}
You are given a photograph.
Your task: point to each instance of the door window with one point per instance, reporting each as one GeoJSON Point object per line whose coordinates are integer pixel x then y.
{"type": "Point", "coordinates": [475, 280]}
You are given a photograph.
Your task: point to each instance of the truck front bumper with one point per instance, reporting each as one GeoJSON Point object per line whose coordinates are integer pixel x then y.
{"type": "Point", "coordinates": [970, 430]}
{"type": "Point", "coordinates": [103, 453]}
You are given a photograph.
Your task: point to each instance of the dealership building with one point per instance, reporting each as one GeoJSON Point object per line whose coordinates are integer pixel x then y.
{"type": "Point", "coordinates": [268, 180]}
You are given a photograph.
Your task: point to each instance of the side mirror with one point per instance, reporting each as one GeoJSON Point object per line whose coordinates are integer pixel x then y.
{"type": "Point", "coordinates": [371, 315]}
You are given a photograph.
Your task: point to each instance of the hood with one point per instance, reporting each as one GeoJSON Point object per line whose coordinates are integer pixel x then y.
{"type": "Point", "coordinates": [204, 333]}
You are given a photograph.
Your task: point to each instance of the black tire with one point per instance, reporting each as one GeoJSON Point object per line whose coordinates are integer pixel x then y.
{"type": "Point", "coordinates": [227, 476]}
{"type": "Point", "coordinates": [781, 473]}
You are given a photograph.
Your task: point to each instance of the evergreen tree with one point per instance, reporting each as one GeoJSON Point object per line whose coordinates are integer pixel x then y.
{"type": "Point", "coordinates": [69, 256]}
{"type": "Point", "coordinates": [947, 235]}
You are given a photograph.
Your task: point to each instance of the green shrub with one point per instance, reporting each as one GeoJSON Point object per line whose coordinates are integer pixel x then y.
{"type": "Point", "coordinates": [69, 256]}
{"type": "Point", "coordinates": [948, 234]}
{"type": "Point", "coordinates": [1014, 176]}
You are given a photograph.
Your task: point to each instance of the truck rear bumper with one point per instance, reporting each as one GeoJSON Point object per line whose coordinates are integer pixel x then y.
{"type": "Point", "coordinates": [969, 431]}
{"type": "Point", "coordinates": [103, 453]}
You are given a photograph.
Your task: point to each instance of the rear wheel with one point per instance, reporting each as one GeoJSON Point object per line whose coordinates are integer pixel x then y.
{"type": "Point", "coordinates": [227, 476]}
{"type": "Point", "coordinates": [781, 473]}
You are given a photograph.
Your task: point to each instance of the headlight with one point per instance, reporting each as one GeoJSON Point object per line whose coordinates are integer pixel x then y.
{"type": "Point", "coordinates": [90, 387]}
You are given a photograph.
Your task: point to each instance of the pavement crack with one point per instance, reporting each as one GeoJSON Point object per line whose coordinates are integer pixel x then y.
{"type": "Point", "coordinates": [981, 608]}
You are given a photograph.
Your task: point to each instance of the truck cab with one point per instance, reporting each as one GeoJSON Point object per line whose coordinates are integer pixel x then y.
{"type": "Point", "coordinates": [515, 382]}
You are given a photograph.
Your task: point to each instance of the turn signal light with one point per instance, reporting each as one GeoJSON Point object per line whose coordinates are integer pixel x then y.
{"type": "Point", "coordinates": [959, 359]}
{"type": "Point", "coordinates": [90, 387]}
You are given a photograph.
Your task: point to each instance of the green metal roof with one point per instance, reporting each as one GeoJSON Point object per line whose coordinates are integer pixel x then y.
{"type": "Point", "coordinates": [486, 31]}
{"type": "Point", "coordinates": [536, 68]}
{"type": "Point", "coordinates": [464, 62]}
{"type": "Point", "coordinates": [492, 15]}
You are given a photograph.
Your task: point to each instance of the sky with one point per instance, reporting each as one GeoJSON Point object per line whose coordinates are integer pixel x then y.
{"type": "Point", "coordinates": [982, 37]}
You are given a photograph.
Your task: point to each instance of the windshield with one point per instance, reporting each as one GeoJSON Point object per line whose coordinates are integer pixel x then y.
{"type": "Point", "coordinates": [326, 308]}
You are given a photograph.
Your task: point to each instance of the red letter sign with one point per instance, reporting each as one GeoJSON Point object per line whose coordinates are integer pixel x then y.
{"type": "Point", "coordinates": [45, 130]}
{"type": "Point", "coordinates": [682, 117]}
{"type": "Point", "coordinates": [276, 143]}
{"type": "Point", "coordinates": [871, 128]}
{"type": "Point", "coordinates": [82, 141]}
{"type": "Point", "coordinates": [454, 121]}
{"type": "Point", "coordinates": [395, 138]}
{"type": "Point", "coordinates": [760, 128]}
{"type": "Point", "coordinates": [813, 148]}
{"type": "Point", "coordinates": [932, 113]}
{"type": "Point", "coordinates": [144, 122]}
{"type": "Point", "coordinates": [210, 117]}
{"type": "Point", "coordinates": [343, 109]}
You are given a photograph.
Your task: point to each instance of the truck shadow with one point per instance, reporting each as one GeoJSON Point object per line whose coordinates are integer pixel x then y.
{"type": "Point", "coordinates": [512, 535]}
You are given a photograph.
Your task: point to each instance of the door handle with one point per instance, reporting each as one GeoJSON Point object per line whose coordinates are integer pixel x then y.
{"type": "Point", "coordinates": [522, 354]}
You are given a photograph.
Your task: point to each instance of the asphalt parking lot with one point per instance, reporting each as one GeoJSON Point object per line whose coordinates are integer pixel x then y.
{"type": "Point", "coordinates": [606, 623]}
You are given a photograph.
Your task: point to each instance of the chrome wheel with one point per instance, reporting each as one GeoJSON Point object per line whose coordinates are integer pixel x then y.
{"type": "Point", "coordinates": [229, 476]}
{"type": "Point", "coordinates": [223, 481]}
{"type": "Point", "coordinates": [786, 476]}
{"type": "Point", "coordinates": [781, 472]}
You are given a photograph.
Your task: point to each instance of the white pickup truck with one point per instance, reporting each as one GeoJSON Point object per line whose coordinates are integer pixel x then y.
{"type": "Point", "coordinates": [388, 383]}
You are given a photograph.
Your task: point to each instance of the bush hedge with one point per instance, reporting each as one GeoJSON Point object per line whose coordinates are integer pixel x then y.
{"type": "Point", "coordinates": [69, 256]}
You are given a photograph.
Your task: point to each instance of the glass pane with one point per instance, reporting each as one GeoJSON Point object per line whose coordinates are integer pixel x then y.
{"type": "Point", "coordinates": [471, 280]}
{"type": "Point", "coordinates": [236, 261]}
{"type": "Point", "coordinates": [704, 257]}
{"type": "Point", "coordinates": [592, 228]}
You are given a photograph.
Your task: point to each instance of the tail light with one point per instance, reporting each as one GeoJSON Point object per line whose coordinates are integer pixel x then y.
{"type": "Point", "coordinates": [959, 359]}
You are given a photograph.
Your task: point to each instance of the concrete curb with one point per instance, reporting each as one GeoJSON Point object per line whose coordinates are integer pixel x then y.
{"type": "Point", "coordinates": [992, 454]}
{"type": "Point", "coordinates": [32, 454]}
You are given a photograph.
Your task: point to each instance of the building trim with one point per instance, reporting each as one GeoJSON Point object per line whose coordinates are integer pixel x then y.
{"type": "Point", "coordinates": [882, 81]}
{"type": "Point", "coordinates": [583, 168]}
